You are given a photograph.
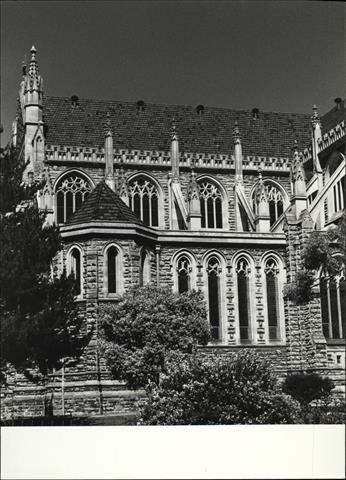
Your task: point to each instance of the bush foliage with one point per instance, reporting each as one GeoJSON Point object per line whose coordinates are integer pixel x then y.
{"type": "Point", "coordinates": [145, 325]}
{"type": "Point", "coordinates": [210, 389]}
{"type": "Point", "coordinates": [306, 387]}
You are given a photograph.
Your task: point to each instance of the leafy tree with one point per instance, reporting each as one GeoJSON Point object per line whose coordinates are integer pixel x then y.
{"type": "Point", "coordinates": [326, 250]}
{"type": "Point", "coordinates": [145, 325]}
{"type": "Point", "coordinates": [40, 325]}
{"type": "Point", "coordinates": [212, 389]}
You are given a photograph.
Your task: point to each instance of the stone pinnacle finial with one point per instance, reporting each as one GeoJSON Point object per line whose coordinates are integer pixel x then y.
{"type": "Point", "coordinates": [108, 125]}
{"type": "Point", "coordinates": [236, 132]}
{"type": "Point", "coordinates": [33, 67]}
{"type": "Point", "coordinates": [174, 133]}
{"type": "Point", "coordinates": [315, 118]}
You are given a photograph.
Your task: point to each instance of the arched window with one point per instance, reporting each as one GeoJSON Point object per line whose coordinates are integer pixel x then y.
{"type": "Point", "coordinates": [243, 290]}
{"type": "Point", "coordinates": [214, 297]}
{"type": "Point", "coordinates": [211, 205]}
{"type": "Point", "coordinates": [184, 274]}
{"type": "Point", "coordinates": [275, 199]}
{"type": "Point", "coordinates": [71, 191]}
{"type": "Point", "coordinates": [75, 268]}
{"type": "Point", "coordinates": [333, 308]}
{"type": "Point", "coordinates": [145, 273]}
{"type": "Point", "coordinates": [112, 258]}
{"type": "Point", "coordinates": [112, 271]}
{"type": "Point", "coordinates": [144, 198]}
{"type": "Point", "coordinates": [271, 271]}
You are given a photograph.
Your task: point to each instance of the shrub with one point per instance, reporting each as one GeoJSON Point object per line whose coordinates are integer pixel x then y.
{"type": "Point", "coordinates": [210, 389]}
{"type": "Point", "coordinates": [146, 324]}
{"type": "Point", "coordinates": [301, 291]}
{"type": "Point", "coordinates": [306, 387]}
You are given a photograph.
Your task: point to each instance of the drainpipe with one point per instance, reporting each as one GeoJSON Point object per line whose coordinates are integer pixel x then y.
{"type": "Point", "coordinates": [157, 253]}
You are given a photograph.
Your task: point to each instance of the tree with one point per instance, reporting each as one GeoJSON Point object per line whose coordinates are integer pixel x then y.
{"type": "Point", "coordinates": [145, 326]}
{"type": "Point", "coordinates": [40, 324]}
{"type": "Point", "coordinates": [325, 250]}
{"type": "Point", "coordinates": [213, 389]}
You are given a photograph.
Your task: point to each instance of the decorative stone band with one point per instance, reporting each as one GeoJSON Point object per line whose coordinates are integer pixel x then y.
{"type": "Point", "coordinates": [60, 154]}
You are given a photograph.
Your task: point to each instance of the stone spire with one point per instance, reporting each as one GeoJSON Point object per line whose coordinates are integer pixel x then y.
{"type": "Point", "coordinates": [194, 214]}
{"type": "Point", "coordinates": [262, 218]}
{"type": "Point", "coordinates": [174, 151]}
{"type": "Point", "coordinates": [33, 79]}
{"type": "Point", "coordinates": [31, 101]}
{"type": "Point", "coordinates": [109, 155]}
{"type": "Point", "coordinates": [238, 156]}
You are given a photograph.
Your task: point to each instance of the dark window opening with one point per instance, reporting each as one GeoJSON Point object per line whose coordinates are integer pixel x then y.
{"type": "Point", "coordinates": [112, 269]}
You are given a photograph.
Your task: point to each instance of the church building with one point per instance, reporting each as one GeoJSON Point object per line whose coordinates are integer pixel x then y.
{"type": "Point", "coordinates": [190, 197]}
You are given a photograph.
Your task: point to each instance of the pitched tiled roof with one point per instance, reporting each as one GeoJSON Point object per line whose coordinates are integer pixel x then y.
{"type": "Point", "coordinates": [103, 205]}
{"type": "Point", "coordinates": [333, 117]}
{"type": "Point", "coordinates": [272, 134]}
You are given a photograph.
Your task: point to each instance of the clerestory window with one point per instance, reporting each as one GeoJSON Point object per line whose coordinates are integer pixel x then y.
{"type": "Point", "coordinates": [211, 205]}
{"type": "Point", "coordinates": [144, 199]}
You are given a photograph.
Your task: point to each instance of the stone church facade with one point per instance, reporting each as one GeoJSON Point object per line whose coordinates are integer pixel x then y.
{"type": "Point", "coordinates": [212, 199]}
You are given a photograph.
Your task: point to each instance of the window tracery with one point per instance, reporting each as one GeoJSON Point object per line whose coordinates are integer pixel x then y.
{"type": "Point", "coordinates": [271, 271]}
{"type": "Point", "coordinates": [144, 197]}
{"type": "Point", "coordinates": [71, 192]}
{"type": "Point", "coordinates": [184, 270]}
{"type": "Point", "coordinates": [211, 205]}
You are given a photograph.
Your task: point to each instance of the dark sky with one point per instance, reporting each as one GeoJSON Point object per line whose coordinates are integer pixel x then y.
{"type": "Point", "coordinates": [277, 56]}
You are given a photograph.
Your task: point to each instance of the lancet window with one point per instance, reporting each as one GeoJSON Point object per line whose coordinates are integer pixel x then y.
{"type": "Point", "coordinates": [214, 297]}
{"type": "Point", "coordinates": [75, 268]}
{"type": "Point", "coordinates": [211, 205]}
{"type": "Point", "coordinates": [271, 271]}
{"type": "Point", "coordinates": [243, 287]}
{"type": "Point", "coordinates": [71, 192]}
{"type": "Point", "coordinates": [144, 198]}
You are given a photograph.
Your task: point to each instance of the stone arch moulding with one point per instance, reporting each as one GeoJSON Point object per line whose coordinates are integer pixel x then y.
{"type": "Point", "coordinates": [160, 193]}
{"type": "Point", "coordinates": [174, 265]}
{"type": "Point", "coordinates": [77, 171]}
{"type": "Point", "coordinates": [224, 196]}
{"type": "Point", "coordinates": [220, 274]}
{"type": "Point", "coordinates": [280, 282]}
{"type": "Point", "coordinates": [70, 266]}
{"type": "Point", "coordinates": [118, 270]}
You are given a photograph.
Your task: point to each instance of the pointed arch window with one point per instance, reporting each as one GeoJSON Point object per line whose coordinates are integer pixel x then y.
{"type": "Point", "coordinates": [75, 268]}
{"type": "Point", "coordinates": [184, 269]}
{"type": "Point", "coordinates": [333, 308]}
{"type": "Point", "coordinates": [271, 271]}
{"type": "Point", "coordinates": [276, 201]}
{"type": "Point", "coordinates": [214, 297]}
{"type": "Point", "coordinates": [112, 259]}
{"type": "Point", "coordinates": [71, 192]}
{"type": "Point", "coordinates": [144, 201]}
{"type": "Point", "coordinates": [211, 205]}
{"type": "Point", "coordinates": [243, 291]}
